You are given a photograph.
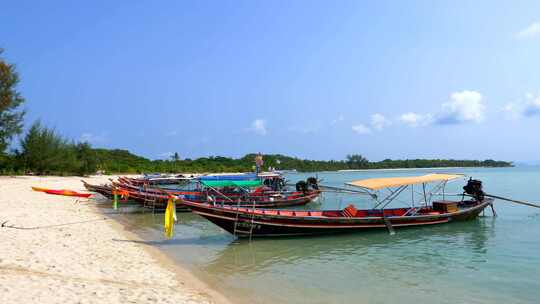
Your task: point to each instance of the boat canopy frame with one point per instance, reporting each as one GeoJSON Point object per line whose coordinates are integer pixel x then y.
{"type": "Point", "coordinates": [396, 186]}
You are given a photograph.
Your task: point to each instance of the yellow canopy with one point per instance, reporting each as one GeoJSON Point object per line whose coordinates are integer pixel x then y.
{"type": "Point", "coordinates": [387, 182]}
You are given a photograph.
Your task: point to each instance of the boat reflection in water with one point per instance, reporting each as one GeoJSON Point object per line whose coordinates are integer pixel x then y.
{"type": "Point", "coordinates": [462, 262]}
{"type": "Point", "coordinates": [416, 262]}
{"type": "Point", "coordinates": [245, 256]}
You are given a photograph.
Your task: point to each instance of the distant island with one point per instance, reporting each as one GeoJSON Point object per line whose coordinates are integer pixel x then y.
{"type": "Point", "coordinates": [45, 152]}
{"type": "Point", "coordinates": [122, 161]}
{"type": "Point", "coordinates": [114, 161]}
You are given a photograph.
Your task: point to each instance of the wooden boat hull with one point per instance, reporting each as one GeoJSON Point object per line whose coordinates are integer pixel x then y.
{"type": "Point", "coordinates": [156, 181]}
{"type": "Point", "coordinates": [198, 195]}
{"type": "Point", "coordinates": [246, 224]}
{"type": "Point", "coordinates": [153, 199]}
{"type": "Point", "coordinates": [160, 201]}
{"type": "Point", "coordinates": [101, 189]}
{"type": "Point", "coordinates": [157, 198]}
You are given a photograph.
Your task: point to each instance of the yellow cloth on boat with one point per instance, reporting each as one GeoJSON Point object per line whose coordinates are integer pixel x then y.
{"type": "Point", "coordinates": [388, 182]}
{"type": "Point", "coordinates": [170, 214]}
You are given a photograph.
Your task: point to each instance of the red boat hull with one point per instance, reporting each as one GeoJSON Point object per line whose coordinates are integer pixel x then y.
{"type": "Point", "coordinates": [67, 193]}
{"type": "Point", "coordinates": [247, 222]}
{"type": "Point", "coordinates": [156, 198]}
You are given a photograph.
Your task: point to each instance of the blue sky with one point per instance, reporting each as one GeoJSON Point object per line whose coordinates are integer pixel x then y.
{"type": "Point", "coordinates": [313, 79]}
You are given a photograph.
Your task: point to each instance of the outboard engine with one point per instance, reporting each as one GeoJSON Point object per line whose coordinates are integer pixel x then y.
{"type": "Point", "coordinates": [313, 183]}
{"type": "Point", "coordinates": [474, 189]}
{"type": "Point", "coordinates": [302, 186]}
{"type": "Point", "coordinates": [281, 184]}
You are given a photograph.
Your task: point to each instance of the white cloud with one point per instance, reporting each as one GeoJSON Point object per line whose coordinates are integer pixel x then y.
{"type": "Point", "coordinates": [532, 106]}
{"type": "Point", "coordinates": [258, 126]}
{"type": "Point", "coordinates": [527, 108]}
{"type": "Point", "coordinates": [361, 129]}
{"type": "Point", "coordinates": [93, 138]}
{"type": "Point", "coordinates": [340, 118]}
{"type": "Point", "coordinates": [416, 120]}
{"type": "Point", "coordinates": [464, 106]}
{"type": "Point", "coordinates": [379, 122]}
{"type": "Point", "coordinates": [532, 30]}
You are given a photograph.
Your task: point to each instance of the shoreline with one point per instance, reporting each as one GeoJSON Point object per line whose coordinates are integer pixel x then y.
{"type": "Point", "coordinates": [411, 169]}
{"type": "Point", "coordinates": [182, 274]}
{"type": "Point", "coordinates": [65, 249]}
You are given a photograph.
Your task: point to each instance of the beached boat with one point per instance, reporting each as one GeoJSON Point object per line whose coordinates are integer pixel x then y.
{"type": "Point", "coordinates": [253, 222]}
{"type": "Point", "coordinates": [39, 189]}
{"type": "Point", "coordinates": [182, 179]}
{"type": "Point", "coordinates": [161, 180]}
{"type": "Point", "coordinates": [105, 190]}
{"type": "Point", "coordinates": [62, 192]}
{"type": "Point", "coordinates": [240, 193]}
{"type": "Point", "coordinates": [225, 193]}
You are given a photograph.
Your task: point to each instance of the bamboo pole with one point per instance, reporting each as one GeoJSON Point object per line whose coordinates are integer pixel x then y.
{"type": "Point", "coordinates": [513, 201]}
{"type": "Point", "coordinates": [498, 197]}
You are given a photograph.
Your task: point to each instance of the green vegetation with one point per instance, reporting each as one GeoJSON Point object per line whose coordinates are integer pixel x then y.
{"type": "Point", "coordinates": [122, 161]}
{"type": "Point", "coordinates": [43, 151]}
{"type": "Point", "coordinates": [11, 117]}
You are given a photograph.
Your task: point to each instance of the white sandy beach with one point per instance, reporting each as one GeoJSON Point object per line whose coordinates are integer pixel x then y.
{"type": "Point", "coordinates": [67, 252]}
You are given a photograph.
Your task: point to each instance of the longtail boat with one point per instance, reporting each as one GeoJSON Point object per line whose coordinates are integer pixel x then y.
{"type": "Point", "coordinates": [252, 193]}
{"type": "Point", "coordinates": [157, 179]}
{"type": "Point", "coordinates": [254, 222]}
{"type": "Point", "coordinates": [160, 180]}
{"type": "Point", "coordinates": [105, 190]}
{"type": "Point", "coordinates": [225, 193]}
{"type": "Point", "coordinates": [229, 177]}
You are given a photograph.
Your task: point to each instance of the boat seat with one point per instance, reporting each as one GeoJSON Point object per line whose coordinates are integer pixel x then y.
{"type": "Point", "coordinates": [349, 211]}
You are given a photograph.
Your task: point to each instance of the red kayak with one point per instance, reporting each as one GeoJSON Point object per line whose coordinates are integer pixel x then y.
{"type": "Point", "coordinates": [62, 192]}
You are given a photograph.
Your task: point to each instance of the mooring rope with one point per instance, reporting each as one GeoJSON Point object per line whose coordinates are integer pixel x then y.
{"type": "Point", "coordinates": [5, 225]}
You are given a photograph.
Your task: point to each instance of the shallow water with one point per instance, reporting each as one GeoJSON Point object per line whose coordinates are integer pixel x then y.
{"type": "Point", "coordinates": [488, 260]}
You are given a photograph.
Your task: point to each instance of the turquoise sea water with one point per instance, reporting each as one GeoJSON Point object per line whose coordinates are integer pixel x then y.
{"type": "Point", "coordinates": [488, 260]}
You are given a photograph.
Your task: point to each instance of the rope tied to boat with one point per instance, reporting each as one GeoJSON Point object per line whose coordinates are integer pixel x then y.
{"type": "Point", "coordinates": [5, 224]}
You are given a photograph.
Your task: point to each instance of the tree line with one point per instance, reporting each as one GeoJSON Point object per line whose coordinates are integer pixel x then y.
{"type": "Point", "coordinates": [42, 150]}
{"type": "Point", "coordinates": [45, 152]}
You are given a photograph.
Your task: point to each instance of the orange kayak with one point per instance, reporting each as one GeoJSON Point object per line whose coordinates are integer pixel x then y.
{"type": "Point", "coordinates": [62, 192]}
{"type": "Point", "coordinates": [39, 189]}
